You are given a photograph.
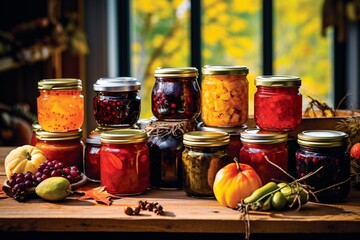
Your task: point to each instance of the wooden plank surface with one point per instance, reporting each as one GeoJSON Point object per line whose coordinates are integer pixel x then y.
{"type": "Point", "coordinates": [183, 215]}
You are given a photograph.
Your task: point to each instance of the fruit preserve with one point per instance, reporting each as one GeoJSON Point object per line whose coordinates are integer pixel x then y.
{"type": "Point", "coordinates": [60, 105]}
{"type": "Point", "coordinates": [278, 103]}
{"type": "Point", "coordinates": [204, 155]}
{"type": "Point", "coordinates": [124, 161]}
{"type": "Point", "coordinates": [324, 151]}
{"type": "Point", "coordinates": [176, 94]}
{"type": "Point", "coordinates": [92, 158]}
{"type": "Point", "coordinates": [234, 132]}
{"type": "Point", "coordinates": [66, 147]}
{"type": "Point", "coordinates": [116, 103]}
{"type": "Point", "coordinates": [259, 145]}
{"type": "Point", "coordinates": [224, 96]}
{"type": "Point", "coordinates": [35, 127]}
{"type": "Point", "coordinates": [165, 148]}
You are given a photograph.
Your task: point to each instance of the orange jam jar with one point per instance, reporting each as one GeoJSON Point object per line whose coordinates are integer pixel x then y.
{"type": "Point", "coordinates": [124, 161]}
{"type": "Point", "coordinates": [60, 105]}
{"type": "Point", "coordinates": [224, 95]}
{"type": "Point", "coordinates": [66, 147]}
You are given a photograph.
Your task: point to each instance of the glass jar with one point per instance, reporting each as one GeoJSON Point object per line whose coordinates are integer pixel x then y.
{"type": "Point", "coordinates": [116, 103]}
{"type": "Point", "coordinates": [165, 149]}
{"type": "Point", "coordinates": [259, 145]}
{"type": "Point", "coordinates": [92, 158]}
{"type": "Point", "coordinates": [325, 149]}
{"type": "Point", "coordinates": [224, 96]}
{"type": "Point", "coordinates": [66, 147]}
{"type": "Point", "coordinates": [234, 132]}
{"type": "Point", "coordinates": [35, 127]}
{"type": "Point", "coordinates": [60, 105]}
{"type": "Point", "coordinates": [277, 103]}
{"type": "Point", "coordinates": [176, 94]}
{"type": "Point", "coordinates": [124, 161]}
{"type": "Point", "coordinates": [204, 155]}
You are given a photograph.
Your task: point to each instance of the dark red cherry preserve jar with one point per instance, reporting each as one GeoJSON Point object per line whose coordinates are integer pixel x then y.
{"type": "Point", "coordinates": [278, 103]}
{"type": "Point", "coordinates": [116, 103]}
{"type": "Point", "coordinates": [176, 94]}
{"type": "Point", "coordinates": [124, 161]}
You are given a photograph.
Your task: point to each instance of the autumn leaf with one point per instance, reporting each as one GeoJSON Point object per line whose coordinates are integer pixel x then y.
{"type": "Point", "coordinates": [2, 192]}
{"type": "Point", "coordinates": [99, 194]}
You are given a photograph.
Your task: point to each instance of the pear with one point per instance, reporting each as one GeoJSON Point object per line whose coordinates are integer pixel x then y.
{"type": "Point", "coordinates": [53, 189]}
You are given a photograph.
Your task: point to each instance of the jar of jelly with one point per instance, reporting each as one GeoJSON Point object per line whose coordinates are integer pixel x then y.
{"type": "Point", "coordinates": [234, 132]}
{"type": "Point", "coordinates": [35, 127]}
{"type": "Point", "coordinates": [66, 147]}
{"type": "Point", "coordinates": [124, 162]}
{"type": "Point", "coordinates": [324, 151]}
{"type": "Point", "coordinates": [60, 105]}
{"type": "Point", "coordinates": [204, 155]}
{"type": "Point", "coordinates": [278, 103]}
{"type": "Point", "coordinates": [224, 96]}
{"type": "Point", "coordinates": [259, 145]}
{"type": "Point", "coordinates": [165, 149]}
{"type": "Point", "coordinates": [116, 103]}
{"type": "Point", "coordinates": [92, 158]}
{"type": "Point", "coordinates": [176, 94]}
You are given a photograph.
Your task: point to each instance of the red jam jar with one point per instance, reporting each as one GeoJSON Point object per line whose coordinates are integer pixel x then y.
{"type": "Point", "coordinates": [92, 158]}
{"type": "Point", "coordinates": [124, 162]}
{"type": "Point", "coordinates": [259, 143]}
{"type": "Point", "coordinates": [234, 132]}
{"type": "Point", "coordinates": [116, 103]}
{"type": "Point", "coordinates": [35, 127]}
{"type": "Point", "coordinates": [324, 151]}
{"type": "Point", "coordinates": [278, 103]}
{"type": "Point", "coordinates": [224, 96]}
{"type": "Point", "coordinates": [66, 147]}
{"type": "Point", "coordinates": [176, 94]}
{"type": "Point", "coordinates": [60, 105]}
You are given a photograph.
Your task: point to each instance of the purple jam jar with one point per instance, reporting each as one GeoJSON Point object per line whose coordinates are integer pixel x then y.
{"type": "Point", "coordinates": [116, 103]}
{"type": "Point", "coordinates": [176, 94]}
{"type": "Point", "coordinates": [324, 151]}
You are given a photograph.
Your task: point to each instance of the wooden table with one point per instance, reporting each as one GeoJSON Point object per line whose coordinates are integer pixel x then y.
{"type": "Point", "coordinates": [185, 218]}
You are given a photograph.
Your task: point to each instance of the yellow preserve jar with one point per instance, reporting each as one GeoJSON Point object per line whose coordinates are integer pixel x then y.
{"type": "Point", "coordinates": [60, 105]}
{"type": "Point", "coordinates": [224, 96]}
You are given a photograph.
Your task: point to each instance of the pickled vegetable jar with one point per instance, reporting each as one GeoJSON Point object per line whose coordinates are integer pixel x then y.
{"type": "Point", "coordinates": [60, 105]}
{"type": "Point", "coordinates": [224, 96]}
{"type": "Point", "coordinates": [176, 94]}
{"type": "Point", "coordinates": [66, 147]}
{"type": "Point", "coordinates": [124, 161]}
{"type": "Point", "coordinates": [116, 103]}
{"type": "Point", "coordinates": [204, 155]}
{"type": "Point", "coordinates": [259, 145]}
{"type": "Point", "coordinates": [324, 151]}
{"type": "Point", "coordinates": [278, 103]}
{"type": "Point", "coordinates": [92, 158]}
{"type": "Point", "coordinates": [165, 148]}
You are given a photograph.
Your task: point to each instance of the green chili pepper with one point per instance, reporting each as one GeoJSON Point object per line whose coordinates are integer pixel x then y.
{"type": "Point", "coordinates": [261, 192]}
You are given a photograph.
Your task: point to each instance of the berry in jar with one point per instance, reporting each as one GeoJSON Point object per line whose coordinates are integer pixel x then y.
{"type": "Point", "coordinates": [176, 94]}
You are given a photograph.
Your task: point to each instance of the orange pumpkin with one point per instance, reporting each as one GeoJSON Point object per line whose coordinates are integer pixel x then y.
{"type": "Point", "coordinates": [234, 182]}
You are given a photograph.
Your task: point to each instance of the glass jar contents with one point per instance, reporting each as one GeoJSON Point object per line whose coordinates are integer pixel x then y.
{"type": "Point", "coordinates": [259, 145]}
{"type": "Point", "coordinates": [35, 127]}
{"type": "Point", "coordinates": [116, 103]}
{"type": "Point", "coordinates": [124, 161]}
{"type": "Point", "coordinates": [234, 132]}
{"type": "Point", "coordinates": [324, 151]}
{"type": "Point", "coordinates": [165, 149]}
{"type": "Point", "coordinates": [60, 105]}
{"type": "Point", "coordinates": [176, 94]}
{"type": "Point", "coordinates": [204, 155]}
{"type": "Point", "coordinates": [277, 103]}
{"type": "Point", "coordinates": [66, 147]}
{"type": "Point", "coordinates": [224, 96]}
{"type": "Point", "coordinates": [92, 159]}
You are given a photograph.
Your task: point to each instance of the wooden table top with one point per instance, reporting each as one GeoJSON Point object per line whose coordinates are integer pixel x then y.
{"type": "Point", "coordinates": [183, 215]}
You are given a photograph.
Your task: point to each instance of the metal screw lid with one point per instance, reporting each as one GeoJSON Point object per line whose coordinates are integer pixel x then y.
{"type": "Point", "coordinates": [206, 139]}
{"type": "Point", "coordinates": [277, 81]}
{"type": "Point", "coordinates": [257, 136]}
{"type": "Point", "coordinates": [123, 136]}
{"type": "Point", "coordinates": [224, 70]}
{"type": "Point", "coordinates": [57, 136]}
{"type": "Point", "coordinates": [59, 84]}
{"type": "Point", "coordinates": [176, 72]}
{"type": "Point", "coordinates": [117, 84]}
{"type": "Point", "coordinates": [322, 138]}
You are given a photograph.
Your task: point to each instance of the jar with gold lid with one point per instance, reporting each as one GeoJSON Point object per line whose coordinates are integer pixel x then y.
{"type": "Point", "coordinates": [124, 161]}
{"type": "Point", "coordinates": [35, 127]}
{"type": "Point", "coordinates": [66, 147]}
{"type": "Point", "coordinates": [204, 155]}
{"type": "Point", "coordinates": [60, 105]}
{"type": "Point", "coordinates": [259, 145]}
{"type": "Point", "coordinates": [324, 151]}
{"type": "Point", "coordinates": [224, 96]}
{"type": "Point", "coordinates": [176, 94]}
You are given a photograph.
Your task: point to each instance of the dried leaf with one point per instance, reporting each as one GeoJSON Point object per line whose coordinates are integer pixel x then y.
{"type": "Point", "coordinates": [2, 192]}
{"type": "Point", "coordinates": [99, 194]}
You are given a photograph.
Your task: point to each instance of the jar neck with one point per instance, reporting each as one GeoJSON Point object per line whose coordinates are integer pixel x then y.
{"type": "Point", "coordinates": [276, 89]}
{"type": "Point", "coordinates": [130, 94]}
{"type": "Point", "coordinates": [175, 79]}
{"type": "Point", "coordinates": [323, 149]}
{"type": "Point", "coordinates": [264, 146]}
{"type": "Point", "coordinates": [207, 149]}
